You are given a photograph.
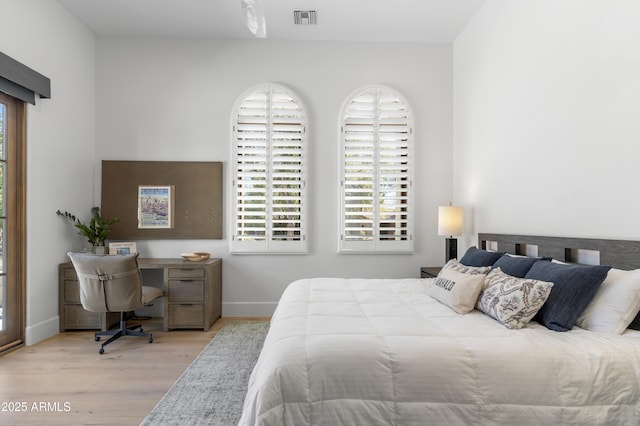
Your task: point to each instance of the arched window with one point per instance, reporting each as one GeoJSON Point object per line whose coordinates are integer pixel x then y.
{"type": "Point", "coordinates": [376, 168]}
{"type": "Point", "coordinates": [269, 172]}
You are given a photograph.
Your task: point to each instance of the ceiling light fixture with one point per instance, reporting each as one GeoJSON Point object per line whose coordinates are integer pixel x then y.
{"type": "Point", "coordinates": [253, 14]}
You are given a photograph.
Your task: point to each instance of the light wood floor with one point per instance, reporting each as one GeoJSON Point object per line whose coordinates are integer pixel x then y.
{"type": "Point", "coordinates": [63, 380]}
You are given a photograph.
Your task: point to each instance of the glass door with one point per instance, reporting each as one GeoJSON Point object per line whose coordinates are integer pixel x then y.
{"type": "Point", "coordinates": [11, 277]}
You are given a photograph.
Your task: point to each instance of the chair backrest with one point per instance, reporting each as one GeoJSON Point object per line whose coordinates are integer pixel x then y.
{"type": "Point", "coordinates": [108, 283]}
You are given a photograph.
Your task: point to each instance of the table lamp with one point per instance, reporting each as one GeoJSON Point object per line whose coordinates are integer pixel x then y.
{"type": "Point", "coordinates": [450, 225]}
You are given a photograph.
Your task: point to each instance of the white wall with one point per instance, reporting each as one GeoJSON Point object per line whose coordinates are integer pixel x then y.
{"type": "Point", "coordinates": [546, 118]}
{"type": "Point", "coordinates": [60, 143]}
{"type": "Point", "coordinates": [161, 99]}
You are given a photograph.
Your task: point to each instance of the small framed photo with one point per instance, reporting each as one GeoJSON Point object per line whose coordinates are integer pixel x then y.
{"type": "Point", "coordinates": [155, 207]}
{"type": "Point", "coordinates": [122, 248]}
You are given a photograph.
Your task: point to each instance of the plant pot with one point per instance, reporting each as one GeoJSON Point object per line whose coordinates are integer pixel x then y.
{"type": "Point", "coordinates": [100, 250]}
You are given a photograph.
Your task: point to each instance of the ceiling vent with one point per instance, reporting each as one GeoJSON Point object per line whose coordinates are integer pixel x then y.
{"type": "Point", "coordinates": [305, 17]}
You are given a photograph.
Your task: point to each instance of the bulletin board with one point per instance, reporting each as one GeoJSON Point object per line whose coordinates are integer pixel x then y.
{"type": "Point", "coordinates": [192, 191]}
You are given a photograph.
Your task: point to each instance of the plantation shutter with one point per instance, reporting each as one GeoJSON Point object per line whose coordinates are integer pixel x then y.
{"type": "Point", "coordinates": [376, 146]}
{"type": "Point", "coordinates": [269, 172]}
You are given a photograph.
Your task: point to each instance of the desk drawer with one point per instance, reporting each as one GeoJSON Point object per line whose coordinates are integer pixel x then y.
{"type": "Point", "coordinates": [70, 273]}
{"type": "Point", "coordinates": [71, 291]}
{"type": "Point", "coordinates": [76, 317]}
{"type": "Point", "coordinates": [186, 291]}
{"type": "Point", "coordinates": [186, 272]}
{"type": "Point", "coordinates": [186, 316]}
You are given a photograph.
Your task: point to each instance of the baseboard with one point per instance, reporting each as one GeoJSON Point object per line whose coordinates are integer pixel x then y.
{"type": "Point", "coordinates": [248, 309]}
{"type": "Point", "coordinates": [44, 329]}
{"type": "Point", "coordinates": [41, 330]}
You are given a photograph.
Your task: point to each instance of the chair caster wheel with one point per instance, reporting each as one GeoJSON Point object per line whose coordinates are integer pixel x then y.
{"type": "Point", "coordinates": [101, 351]}
{"type": "Point", "coordinates": [97, 338]}
{"type": "Point", "coordinates": [150, 339]}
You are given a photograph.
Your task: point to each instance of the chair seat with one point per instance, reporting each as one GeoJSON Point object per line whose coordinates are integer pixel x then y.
{"type": "Point", "coordinates": [150, 293]}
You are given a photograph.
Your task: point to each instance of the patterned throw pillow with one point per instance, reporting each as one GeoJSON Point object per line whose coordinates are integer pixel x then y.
{"type": "Point", "coordinates": [510, 300]}
{"type": "Point", "coordinates": [454, 265]}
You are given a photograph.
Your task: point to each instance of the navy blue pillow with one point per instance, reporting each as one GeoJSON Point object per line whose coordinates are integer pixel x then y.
{"type": "Point", "coordinates": [476, 257]}
{"type": "Point", "coordinates": [573, 288]}
{"type": "Point", "coordinates": [517, 266]}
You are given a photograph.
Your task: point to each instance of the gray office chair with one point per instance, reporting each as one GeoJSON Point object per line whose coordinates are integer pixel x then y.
{"type": "Point", "coordinates": [113, 283]}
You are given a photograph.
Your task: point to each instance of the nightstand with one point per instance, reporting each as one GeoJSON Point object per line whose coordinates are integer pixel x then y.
{"type": "Point", "coordinates": [429, 271]}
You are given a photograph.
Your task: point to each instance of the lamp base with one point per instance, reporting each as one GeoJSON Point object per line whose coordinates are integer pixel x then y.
{"type": "Point", "coordinates": [451, 249]}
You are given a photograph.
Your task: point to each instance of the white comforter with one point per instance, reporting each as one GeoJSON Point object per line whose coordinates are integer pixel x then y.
{"type": "Point", "coordinates": [382, 352]}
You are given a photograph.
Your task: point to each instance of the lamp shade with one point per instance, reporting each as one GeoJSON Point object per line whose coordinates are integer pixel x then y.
{"type": "Point", "coordinates": [449, 220]}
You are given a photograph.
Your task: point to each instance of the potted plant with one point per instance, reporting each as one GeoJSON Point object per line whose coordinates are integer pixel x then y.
{"type": "Point", "coordinates": [96, 231]}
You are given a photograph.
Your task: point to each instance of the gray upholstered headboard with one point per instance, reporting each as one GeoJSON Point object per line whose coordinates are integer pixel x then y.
{"type": "Point", "coordinates": [619, 254]}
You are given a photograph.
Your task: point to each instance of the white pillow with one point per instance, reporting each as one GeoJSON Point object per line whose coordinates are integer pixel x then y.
{"type": "Point", "coordinates": [510, 300]}
{"type": "Point", "coordinates": [457, 290]}
{"type": "Point", "coordinates": [615, 304]}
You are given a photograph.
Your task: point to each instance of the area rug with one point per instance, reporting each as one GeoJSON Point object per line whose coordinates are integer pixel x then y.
{"type": "Point", "coordinates": [211, 390]}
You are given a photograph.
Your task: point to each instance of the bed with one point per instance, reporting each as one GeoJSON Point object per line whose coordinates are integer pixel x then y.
{"type": "Point", "coordinates": [386, 352]}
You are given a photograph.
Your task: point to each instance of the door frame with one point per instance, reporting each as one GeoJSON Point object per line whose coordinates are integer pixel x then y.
{"type": "Point", "coordinates": [15, 258]}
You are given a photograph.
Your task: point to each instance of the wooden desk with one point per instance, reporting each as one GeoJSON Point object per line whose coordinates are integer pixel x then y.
{"type": "Point", "coordinates": [192, 295]}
